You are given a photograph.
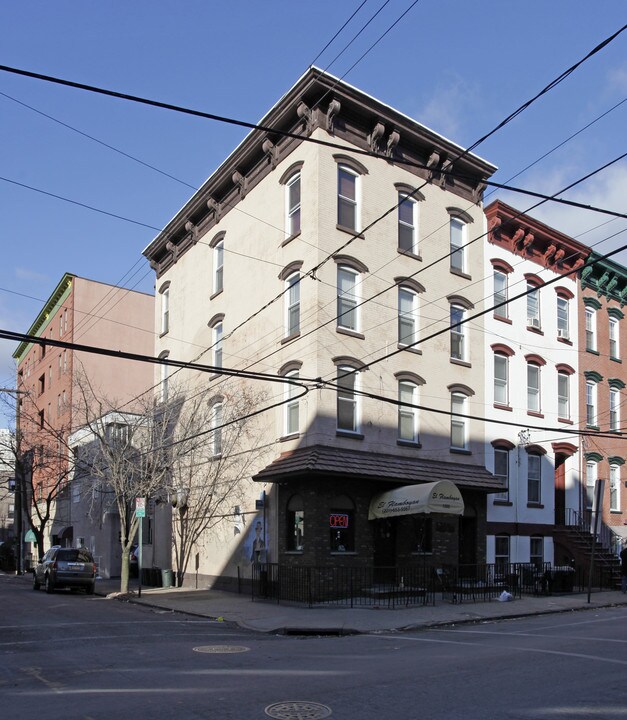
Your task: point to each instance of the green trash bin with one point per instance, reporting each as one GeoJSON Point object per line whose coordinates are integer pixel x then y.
{"type": "Point", "coordinates": [167, 578]}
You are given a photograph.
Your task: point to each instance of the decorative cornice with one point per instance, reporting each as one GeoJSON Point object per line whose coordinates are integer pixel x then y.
{"type": "Point", "coordinates": [593, 375]}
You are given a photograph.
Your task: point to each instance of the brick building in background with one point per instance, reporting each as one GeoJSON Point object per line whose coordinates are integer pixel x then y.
{"type": "Point", "coordinates": [89, 313]}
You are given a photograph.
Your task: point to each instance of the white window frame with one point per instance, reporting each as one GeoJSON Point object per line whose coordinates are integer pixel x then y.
{"type": "Point", "coordinates": [563, 395]}
{"type": "Point", "coordinates": [347, 300]}
{"type": "Point", "coordinates": [500, 281]}
{"type": "Point", "coordinates": [216, 431]}
{"type": "Point", "coordinates": [164, 380]}
{"type": "Point", "coordinates": [592, 470]}
{"type": "Point", "coordinates": [291, 415]}
{"type": "Point", "coordinates": [503, 454]}
{"type": "Point", "coordinates": [533, 305]}
{"type": "Point", "coordinates": [459, 425]}
{"type": "Point", "coordinates": [408, 416]}
{"type": "Point", "coordinates": [614, 408]}
{"type": "Point", "coordinates": [165, 310]}
{"type": "Point", "coordinates": [502, 550]}
{"type": "Point", "coordinates": [292, 304]}
{"type": "Point", "coordinates": [591, 403]}
{"type": "Point", "coordinates": [534, 399]}
{"type": "Point", "coordinates": [501, 380]}
{"type": "Point", "coordinates": [591, 329]}
{"type": "Point", "coordinates": [537, 557]}
{"type": "Point", "coordinates": [458, 344]}
{"type": "Point", "coordinates": [407, 315]}
{"type": "Point", "coordinates": [347, 381]}
{"type": "Point", "coordinates": [534, 478]}
{"type": "Point", "coordinates": [218, 267]}
{"type": "Point", "coordinates": [614, 338]}
{"type": "Point", "coordinates": [563, 319]}
{"type": "Point", "coordinates": [458, 229]}
{"type": "Point", "coordinates": [292, 206]}
{"type": "Point", "coordinates": [614, 487]}
{"type": "Point", "coordinates": [217, 332]}
{"type": "Point", "coordinates": [347, 202]}
{"type": "Point", "coordinates": [407, 227]}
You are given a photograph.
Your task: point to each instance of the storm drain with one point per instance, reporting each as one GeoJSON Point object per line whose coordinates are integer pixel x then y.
{"type": "Point", "coordinates": [298, 710]}
{"type": "Point", "coordinates": [218, 649]}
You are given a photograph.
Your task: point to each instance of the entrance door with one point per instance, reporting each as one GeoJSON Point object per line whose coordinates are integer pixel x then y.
{"type": "Point", "coordinates": [560, 489]}
{"type": "Point", "coordinates": [384, 551]}
{"type": "Point", "coordinates": [467, 540]}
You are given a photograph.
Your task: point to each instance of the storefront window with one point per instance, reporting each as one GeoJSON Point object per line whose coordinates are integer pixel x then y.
{"type": "Point", "coordinates": [295, 524]}
{"type": "Point", "coordinates": [423, 534]}
{"type": "Point", "coordinates": [342, 525]}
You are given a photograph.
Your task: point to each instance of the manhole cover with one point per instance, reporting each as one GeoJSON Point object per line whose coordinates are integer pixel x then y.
{"type": "Point", "coordinates": [298, 710]}
{"type": "Point", "coordinates": [216, 649]}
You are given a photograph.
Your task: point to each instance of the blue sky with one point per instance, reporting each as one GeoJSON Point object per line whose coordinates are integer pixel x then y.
{"type": "Point", "coordinates": [456, 66]}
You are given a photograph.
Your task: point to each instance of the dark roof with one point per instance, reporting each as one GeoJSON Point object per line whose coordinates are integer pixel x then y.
{"type": "Point", "coordinates": [338, 462]}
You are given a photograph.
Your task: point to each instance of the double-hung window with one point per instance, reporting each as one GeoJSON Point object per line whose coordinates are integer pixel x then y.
{"type": "Point", "coordinates": [614, 342]}
{"type": "Point", "coordinates": [591, 481]}
{"type": "Point", "coordinates": [536, 551]}
{"type": "Point", "coordinates": [591, 330]}
{"type": "Point", "coordinates": [347, 198]}
{"type": "Point", "coordinates": [292, 419]}
{"type": "Point", "coordinates": [292, 305]}
{"type": "Point", "coordinates": [533, 306]}
{"type": "Point", "coordinates": [614, 409]}
{"type": "Point", "coordinates": [501, 551]}
{"type": "Point", "coordinates": [165, 376]}
{"type": "Point", "coordinates": [347, 401]}
{"type": "Point", "coordinates": [615, 487]}
{"type": "Point", "coordinates": [407, 415]}
{"type": "Point", "coordinates": [165, 310]}
{"type": "Point", "coordinates": [591, 403]}
{"type": "Point", "coordinates": [407, 316]}
{"type": "Point", "coordinates": [533, 387]}
{"type": "Point", "coordinates": [458, 332]}
{"type": "Point", "coordinates": [292, 205]}
{"type": "Point", "coordinates": [563, 396]}
{"type": "Point", "coordinates": [501, 385]}
{"type": "Point", "coordinates": [218, 267]}
{"type": "Point", "coordinates": [459, 431]}
{"type": "Point", "coordinates": [347, 311]}
{"type": "Point", "coordinates": [217, 332]}
{"type": "Point", "coordinates": [534, 478]}
{"type": "Point", "coordinates": [500, 293]}
{"type": "Point", "coordinates": [501, 472]}
{"type": "Point", "coordinates": [216, 427]}
{"type": "Point", "coordinates": [458, 240]}
{"type": "Point", "coordinates": [563, 328]}
{"type": "Point", "coordinates": [407, 224]}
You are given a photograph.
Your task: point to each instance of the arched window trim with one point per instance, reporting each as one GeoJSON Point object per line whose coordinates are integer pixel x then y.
{"type": "Point", "coordinates": [217, 238]}
{"type": "Point", "coordinates": [461, 301]}
{"type": "Point", "coordinates": [502, 349]}
{"type": "Point", "coordinates": [351, 164]}
{"type": "Point", "coordinates": [408, 376]}
{"type": "Point", "coordinates": [352, 262]}
{"type": "Point", "coordinates": [501, 265]}
{"type": "Point", "coordinates": [290, 269]}
{"type": "Point", "coordinates": [290, 366]}
{"type": "Point", "coordinates": [564, 292]}
{"type": "Point", "coordinates": [534, 359]}
{"type": "Point", "coordinates": [293, 169]}
{"type": "Point", "coordinates": [616, 383]}
{"type": "Point", "coordinates": [460, 389]}
{"type": "Point", "coordinates": [411, 192]}
{"type": "Point", "coordinates": [593, 457]}
{"type": "Point", "coordinates": [564, 448]}
{"type": "Point", "coordinates": [347, 360]}
{"type": "Point", "coordinates": [533, 279]}
{"type": "Point", "coordinates": [592, 303]}
{"type": "Point", "coordinates": [218, 317]}
{"type": "Point", "coordinates": [616, 460]}
{"type": "Point", "coordinates": [565, 369]}
{"type": "Point", "coordinates": [593, 376]}
{"type": "Point", "coordinates": [165, 286]}
{"type": "Point", "coordinates": [459, 213]}
{"type": "Point", "coordinates": [503, 444]}
{"type": "Point", "coordinates": [614, 312]}
{"type": "Point", "coordinates": [409, 283]}
{"type": "Point", "coordinates": [535, 450]}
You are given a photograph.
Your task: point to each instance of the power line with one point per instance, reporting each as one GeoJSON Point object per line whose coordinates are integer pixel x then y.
{"type": "Point", "coordinates": [313, 62]}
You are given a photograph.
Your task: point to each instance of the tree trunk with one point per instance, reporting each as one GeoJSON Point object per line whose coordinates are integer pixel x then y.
{"type": "Point", "coordinates": [125, 570]}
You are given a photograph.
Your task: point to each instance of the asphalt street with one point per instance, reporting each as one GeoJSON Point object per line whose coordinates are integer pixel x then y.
{"type": "Point", "coordinates": [71, 656]}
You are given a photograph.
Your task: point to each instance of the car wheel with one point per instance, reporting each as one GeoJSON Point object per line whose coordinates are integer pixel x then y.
{"type": "Point", "coordinates": [48, 585]}
{"type": "Point", "coordinates": [36, 583]}
{"type": "Point", "coordinates": [90, 589]}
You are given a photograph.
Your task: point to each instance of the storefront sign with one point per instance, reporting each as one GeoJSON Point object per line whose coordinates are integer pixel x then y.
{"type": "Point", "coordinates": [338, 520]}
{"type": "Point", "coordinates": [437, 497]}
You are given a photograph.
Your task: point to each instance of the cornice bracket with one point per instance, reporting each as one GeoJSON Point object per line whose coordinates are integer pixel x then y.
{"type": "Point", "coordinates": [393, 141]}
{"type": "Point", "coordinates": [334, 109]}
{"type": "Point", "coordinates": [216, 208]}
{"type": "Point", "coordinates": [272, 152]}
{"type": "Point", "coordinates": [378, 131]}
{"type": "Point", "coordinates": [305, 113]}
{"type": "Point", "coordinates": [241, 182]}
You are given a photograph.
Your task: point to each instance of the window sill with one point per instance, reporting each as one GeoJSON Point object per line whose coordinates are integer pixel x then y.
{"type": "Point", "coordinates": [536, 505]}
{"type": "Point", "coordinates": [534, 413]}
{"type": "Point", "coordinates": [165, 332]}
{"type": "Point", "coordinates": [461, 363]}
{"type": "Point", "coordinates": [351, 231]}
{"type": "Point", "coordinates": [215, 294]}
{"type": "Point", "coordinates": [408, 443]}
{"type": "Point", "coordinates": [565, 421]}
{"type": "Point", "coordinates": [343, 552]}
{"type": "Point", "coordinates": [537, 331]}
{"type": "Point", "coordinates": [293, 552]}
{"type": "Point", "coordinates": [290, 238]}
{"type": "Point", "coordinates": [408, 348]}
{"type": "Point", "coordinates": [409, 254]}
{"type": "Point", "coordinates": [291, 436]}
{"type": "Point", "coordinates": [564, 341]}
{"type": "Point", "coordinates": [460, 451]}
{"type": "Point", "coordinates": [503, 503]}
{"type": "Point", "coordinates": [289, 338]}
{"type": "Point", "coordinates": [616, 512]}
{"type": "Point", "coordinates": [615, 359]}
{"type": "Point", "coordinates": [592, 352]}
{"type": "Point", "coordinates": [351, 333]}
{"type": "Point", "coordinates": [592, 427]}
{"type": "Point", "coordinates": [501, 318]}
{"type": "Point", "coordinates": [349, 434]}
{"type": "Point", "coordinates": [498, 406]}
{"type": "Point", "coordinates": [460, 273]}
{"type": "Point", "coordinates": [422, 553]}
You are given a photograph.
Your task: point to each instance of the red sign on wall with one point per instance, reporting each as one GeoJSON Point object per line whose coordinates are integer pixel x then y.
{"type": "Point", "coordinates": [338, 520]}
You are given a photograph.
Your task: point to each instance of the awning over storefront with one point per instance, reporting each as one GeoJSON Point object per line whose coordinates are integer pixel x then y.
{"type": "Point", "coordinates": [436, 497]}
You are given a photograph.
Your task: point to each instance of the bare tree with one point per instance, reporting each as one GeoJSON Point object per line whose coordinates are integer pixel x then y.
{"type": "Point", "coordinates": [212, 450]}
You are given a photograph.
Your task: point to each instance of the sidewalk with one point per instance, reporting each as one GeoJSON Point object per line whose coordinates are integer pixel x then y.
{"type": "Point", "coordinates": [265, 616]}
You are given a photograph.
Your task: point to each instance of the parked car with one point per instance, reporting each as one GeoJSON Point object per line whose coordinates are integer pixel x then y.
{"type": "Point", "coordinates": [66, 567]}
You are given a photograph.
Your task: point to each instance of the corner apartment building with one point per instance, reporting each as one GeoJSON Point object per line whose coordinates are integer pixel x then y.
{"type": "Point", "coordinates": [532, 388]}
{"type": "Point", "coordinates": [308, 261]}
{"type": "Point", "coordinates": [602, 380]}
{"type": "Point", "coordinates": [89, 313]}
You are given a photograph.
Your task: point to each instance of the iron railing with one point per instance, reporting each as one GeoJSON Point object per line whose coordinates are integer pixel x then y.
{"type": "Point", "coordinates": [610, 541]}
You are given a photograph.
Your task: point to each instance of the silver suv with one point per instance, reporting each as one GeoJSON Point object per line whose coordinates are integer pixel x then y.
{"type": "Point", "coordinates": [66, 567]}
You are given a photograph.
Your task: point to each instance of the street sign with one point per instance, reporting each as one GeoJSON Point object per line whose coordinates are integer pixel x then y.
{"type": "Point", "coordinates": [140, 507]}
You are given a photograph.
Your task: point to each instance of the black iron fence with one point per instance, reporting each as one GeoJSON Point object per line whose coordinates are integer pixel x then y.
{"type": "Point", "coordinates": [395, 587]}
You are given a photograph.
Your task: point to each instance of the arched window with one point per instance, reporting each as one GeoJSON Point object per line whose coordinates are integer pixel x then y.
{"type": "Point", "coordinates": [217, 331]}
{"type": "Point", "coordinates": [614, 486]}
{"type": "Point", "coordinates": [292, 205]}
{"type": "Point", "coordinates": [502, 456]}
{"type": "Point", "coordinates": [165, 377]}
{"type": "Point", "coordinates": [408, 415]}
{"type": "Point", "coordinates": [458, 333]}
{"type": "Point", "coordinates": [407, 316]}
{"type": "Point", "coordinates": [164, 293]}
{"type": "Point", "coordinates": [408, 219]}
{"type": "Point", "coordinates": [216, 427]}
{"type": "Point", "coordinates": [534, 478]}
{"type": "Point", "coordinates": [533, 301]}
{"type": "Point", "coordinates": [342, 524]}
{"type": "Point", "coordinates": [292, 304]}
{"type": "Point", "coordinates": [459, 423]}
{"type": "Point", "coordinates": [349, 173]}
{"type": "Point", "coordinates": [218, 262]}
{"type": "Point", "coordinates": [347, 399]}
{"type": "Point", "coordinates": [347, 310]}
{"type": "Point", "coordinates": [592, 468]}
{"type": "Point", "coordinates": [292, 409]}
{"type": "Point", "coordinates": [295, 525]}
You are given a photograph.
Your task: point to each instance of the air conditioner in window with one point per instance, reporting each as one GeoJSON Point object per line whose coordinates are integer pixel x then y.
{"type": "Point", "coordinates": [533, 322]}
{"type": "Point", "coordinates": [562, 333]}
